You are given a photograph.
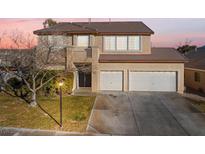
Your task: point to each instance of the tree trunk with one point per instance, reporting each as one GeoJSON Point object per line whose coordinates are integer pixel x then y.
{"type": "Point", "coordinates": [33, 100]}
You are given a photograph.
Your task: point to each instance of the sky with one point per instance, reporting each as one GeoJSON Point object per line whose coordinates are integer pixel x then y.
{"type": "Point", "coordinates": [169, 32]}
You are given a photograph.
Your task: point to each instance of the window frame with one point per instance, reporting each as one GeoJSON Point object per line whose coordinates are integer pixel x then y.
{"type": "Point", "coordinates": [104, 45]}
{"type": "Point", "coordinates": [116, 44]}
{"type": "Point", "coordinates": [136, 50]}
{"type": "Point", "coordinates": [197, 76]}
{"type": "Point", "coordinates": [127, 50]}
{"type": "Point", "coordinates": [86, 46]}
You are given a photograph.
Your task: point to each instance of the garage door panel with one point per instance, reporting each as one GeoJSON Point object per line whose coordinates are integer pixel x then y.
{"type": "Point", "coordinates": [152, 81]}
{"type": "Point", "coordinates": [111, 80]}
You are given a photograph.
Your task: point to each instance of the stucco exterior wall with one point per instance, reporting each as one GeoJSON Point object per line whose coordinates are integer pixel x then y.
{"type": "Point", "coordinates": [57, 40]}
{"type": "Point", "coordinates": [54, 46]}
{"type": "Point", "coordinates": [79, 54]}
{"type": "Point", "coordinates": [191, 83]}
{"type": "Point", "coordinates": [126, 67]}
{"type": "Point", "coordinates": [96, 42]}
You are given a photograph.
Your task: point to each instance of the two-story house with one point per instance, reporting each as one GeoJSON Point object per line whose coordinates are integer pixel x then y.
{"type": "Point", "coordinates": [119, 56]}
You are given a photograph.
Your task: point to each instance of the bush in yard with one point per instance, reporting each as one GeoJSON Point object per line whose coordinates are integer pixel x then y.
{"type": "Point", "coordinates": [52, 88]}
{"type": "Point", "coordinates": [17, 87]}
{"type": "Point", "coordinates": [78, 116]}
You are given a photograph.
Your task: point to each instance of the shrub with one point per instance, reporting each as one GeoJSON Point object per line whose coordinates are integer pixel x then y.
{"type": "Point", "coordinates": [52, 88]}
{"type": "Point", "coordinates": [18, 88]}
{"type": "Point", "coordinates": [78, 116]}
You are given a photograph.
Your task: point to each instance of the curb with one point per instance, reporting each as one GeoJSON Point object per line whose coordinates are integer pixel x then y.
{"type": "Point", "coordinates": [194, 97]}
{"type": "Point", "coordinates": [12, 131]}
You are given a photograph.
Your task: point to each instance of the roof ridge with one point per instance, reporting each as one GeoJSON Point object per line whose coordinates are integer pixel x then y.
{"type": "Point", "coordinates": [118, 27]}
{"type": "Point", "coordinates": [109, 22]}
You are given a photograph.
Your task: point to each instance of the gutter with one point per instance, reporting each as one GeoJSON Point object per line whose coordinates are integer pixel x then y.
{"type": "Point", "coordinates": [194, 69]}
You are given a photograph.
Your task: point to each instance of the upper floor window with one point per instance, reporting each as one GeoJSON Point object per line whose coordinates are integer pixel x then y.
{"type": "Point", "coordinates": [109, 43]}
{"type": "Point", "coordinates": [122, 43]}
{"type": "Point", "coordinates": [83, 41]}
{"type": "Point", "coordinates": [134, 43]}
{"type": "Point", "coordinates": [197, 77]}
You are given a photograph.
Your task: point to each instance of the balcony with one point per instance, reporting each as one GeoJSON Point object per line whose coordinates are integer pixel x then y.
{"type": "Point", "coordinates": [82, 55]}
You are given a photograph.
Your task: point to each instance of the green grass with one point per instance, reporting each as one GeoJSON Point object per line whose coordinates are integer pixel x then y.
{"type": "Point", "coordinates": [200, 105]}
{"type": "Point", "coordinates": [76, 112]}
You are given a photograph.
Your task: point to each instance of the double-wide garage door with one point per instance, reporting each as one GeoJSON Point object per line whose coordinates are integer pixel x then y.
{"type": "Point", "coordinates": [138, 81]}
{"type": "Point", "coordinates": [152, 81]}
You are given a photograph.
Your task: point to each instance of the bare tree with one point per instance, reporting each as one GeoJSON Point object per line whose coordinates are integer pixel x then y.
{"type": "Point", "coordinates": [185, 47]}
{"type": "Point", "coordinates": [32, 67]}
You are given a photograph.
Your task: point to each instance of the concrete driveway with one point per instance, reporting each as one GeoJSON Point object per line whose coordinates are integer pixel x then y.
{"type": "Point", "coordinates": [145, 113]}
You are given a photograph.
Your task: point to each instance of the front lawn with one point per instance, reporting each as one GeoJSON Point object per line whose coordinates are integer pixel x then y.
{"type": "Point", "coordinates": [76, 112]}
{"type": "Point", "coordinates": [200, 105]}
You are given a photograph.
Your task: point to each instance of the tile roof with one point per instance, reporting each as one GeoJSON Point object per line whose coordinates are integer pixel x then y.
{"type": "Point", "coordinates": [159, 55]}
{"type": "Point", "coordinates": [196, 59]}
{"type": "Point", "coordinates": [96, 28]}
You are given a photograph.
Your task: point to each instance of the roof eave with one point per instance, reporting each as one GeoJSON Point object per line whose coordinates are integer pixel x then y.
{"type": "Point", "coordinates": [61, 33]}
{"type": "Point", "coordinates": [142, 61]}
{"type": "Point", "coordinates": [95, 33]}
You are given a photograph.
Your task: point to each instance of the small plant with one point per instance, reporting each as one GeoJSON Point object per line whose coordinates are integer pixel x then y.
{"type": "Point", "coordinates": [78, 116]}
{"type": "Point", "coordinates": [52, 88]}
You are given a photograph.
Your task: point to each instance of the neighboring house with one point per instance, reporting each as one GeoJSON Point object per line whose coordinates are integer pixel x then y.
{"type": "Point", "coordinates": [120, 56]}
{"type": "Point", "coordinates": [195, 70]}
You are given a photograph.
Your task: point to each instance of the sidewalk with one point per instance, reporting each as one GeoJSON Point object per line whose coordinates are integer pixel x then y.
{"type": "Point", "coordinates": [10, 131]}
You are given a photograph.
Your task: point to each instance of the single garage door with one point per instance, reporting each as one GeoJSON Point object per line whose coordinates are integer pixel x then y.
{"type": "Point", "coordinates": [152, 81]}
{"type": "Point", "coordinates": [111, 80]}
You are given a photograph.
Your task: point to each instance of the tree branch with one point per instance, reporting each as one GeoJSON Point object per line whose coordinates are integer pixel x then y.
{"type": "Point", "coordinates": [42, 84]}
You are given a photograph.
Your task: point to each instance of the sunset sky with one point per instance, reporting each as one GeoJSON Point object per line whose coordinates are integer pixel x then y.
{"type": "Point", "coordinates": [168, 32]}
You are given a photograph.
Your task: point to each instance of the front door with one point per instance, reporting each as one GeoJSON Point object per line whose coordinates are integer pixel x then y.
{"type": "Point", "coordinates": [84, 79]}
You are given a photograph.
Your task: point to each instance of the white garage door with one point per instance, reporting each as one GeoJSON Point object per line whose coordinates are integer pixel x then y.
{"type": "Point", "coordinates": [152, 81]}
{"type": "Point", "coordinates": [111, 80]}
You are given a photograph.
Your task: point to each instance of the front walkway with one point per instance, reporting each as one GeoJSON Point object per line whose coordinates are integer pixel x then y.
{"type": "Point", "coordinates": [83, 91]}
{"type": "Point", "coordinates": [145, 113]}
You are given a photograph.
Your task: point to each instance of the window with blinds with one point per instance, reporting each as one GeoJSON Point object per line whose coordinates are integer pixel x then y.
{"type": "Point", "coordinates": [134, 42]}
{"type": "Point", "coordinates": [109, 43]}
{"type": "Point", "coordinates": [83, 41]}
{"type": "Point", "coordinates": [122, 43]}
